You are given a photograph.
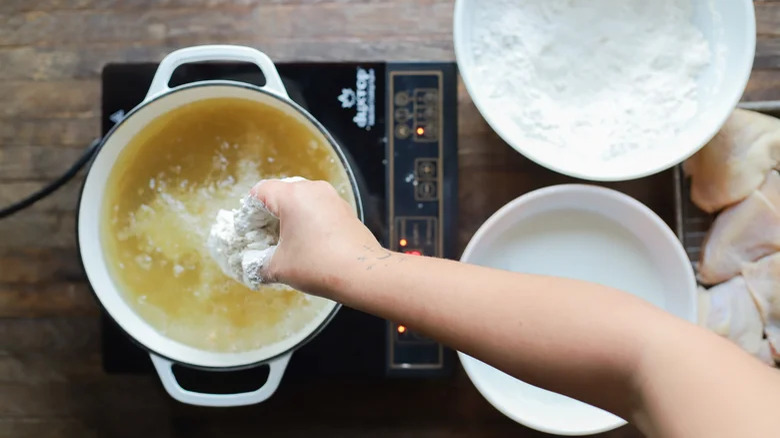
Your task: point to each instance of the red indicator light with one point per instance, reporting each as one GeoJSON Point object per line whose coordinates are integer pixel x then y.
{"type": "Point", "coordinates": [420, 131]}
{"type": "Point", "coordinates": [413, 252]}
{"type": "Point", "coordinates": [401, 329]}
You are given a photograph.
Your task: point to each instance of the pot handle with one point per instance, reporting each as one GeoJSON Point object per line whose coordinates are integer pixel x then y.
{"type": "Point", "coordinates": [171, 385]}
{"type": "Point", "coordinates": [273, 82]}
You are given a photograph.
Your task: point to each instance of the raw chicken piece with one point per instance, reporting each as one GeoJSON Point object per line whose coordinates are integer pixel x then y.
{"type": "Point", "coordinates": [763, 282]}
{"type": "Point", "coordinates": [743, 233]}
{"type": "Point", "coordinates": [735, 161]}
{"type": "Point", "coordinates": [728, 310]}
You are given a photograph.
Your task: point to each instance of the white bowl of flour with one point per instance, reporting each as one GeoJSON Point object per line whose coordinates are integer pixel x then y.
{"type": "Point", "coordinates": [605, 90]}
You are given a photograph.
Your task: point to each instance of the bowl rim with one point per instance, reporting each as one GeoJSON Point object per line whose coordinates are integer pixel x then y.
{"type": "Point", "coordinates": [660, 229]}
{"type": "Point", "coordinates": [470, 366]}
{"type": "Point", "coordinates": [717, 121]}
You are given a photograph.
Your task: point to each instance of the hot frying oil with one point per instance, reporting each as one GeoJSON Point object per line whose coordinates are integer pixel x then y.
{"type": "Point", "coordinates": [162, 198]}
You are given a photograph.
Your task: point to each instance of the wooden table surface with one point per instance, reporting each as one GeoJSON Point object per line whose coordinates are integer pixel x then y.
{"type": "Point", "coordinates": [51, 55]}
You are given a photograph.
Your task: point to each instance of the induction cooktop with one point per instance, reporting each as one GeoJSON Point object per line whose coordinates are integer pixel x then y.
{"type": "Point", "coordinates": [397, 123]}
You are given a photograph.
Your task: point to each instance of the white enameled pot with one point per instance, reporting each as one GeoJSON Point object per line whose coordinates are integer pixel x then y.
{"type": "Point", "coordinates": [161, 99]}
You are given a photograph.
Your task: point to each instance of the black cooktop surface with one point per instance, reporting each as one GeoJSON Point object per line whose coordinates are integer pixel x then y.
{"type": "Point", "coordinates": [354, 344]}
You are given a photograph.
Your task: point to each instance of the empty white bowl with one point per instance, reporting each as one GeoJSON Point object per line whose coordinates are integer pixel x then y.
{"type": "Point", "coordinates": [588, 233]}
{"type": "Point", "coordinates": [729, 27]}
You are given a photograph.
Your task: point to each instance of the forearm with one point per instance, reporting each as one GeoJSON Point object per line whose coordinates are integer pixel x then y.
{"type": "Point", "coordinates": [694, 383]}
{"type": "Point", "coordinates": [593, 343]}
{"type": "Point", "coordinates": [572, 337]}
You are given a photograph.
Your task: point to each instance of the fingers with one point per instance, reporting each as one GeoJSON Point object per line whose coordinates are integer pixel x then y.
{"type": "Point", "coordinates": [267, 192]}
{"type": "Point", "coordinates": [255, 266]}
{"type": "Point", "coordinates": [271, 192]}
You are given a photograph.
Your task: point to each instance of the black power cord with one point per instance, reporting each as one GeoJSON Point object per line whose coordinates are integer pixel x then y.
{"type": "Point", "coordinates": [54, 185]}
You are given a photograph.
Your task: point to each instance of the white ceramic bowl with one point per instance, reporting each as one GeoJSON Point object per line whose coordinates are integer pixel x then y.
{"type": "Point", "coordinates": [728, 25]}
{"type": "Point", "coordinates": [588, 233]}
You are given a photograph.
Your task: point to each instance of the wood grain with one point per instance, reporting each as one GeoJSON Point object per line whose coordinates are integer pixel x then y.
{"type": "Point", "coordinates": [54, 298]}
{"type": "Point", "coordinates": [30, 163]}
{"type": "Point", "coordinates": [52, 265]}
{"type": "Point", "coordinates": [36, 368]}
{"type": "Point", "coordinates": [34, 229]}
{"type": "Point", "coordinates": [51, 56]}
{"type": "Point", "coordinates": [48, 132]}
{"type": "Point", "coordinates": [49, 334]}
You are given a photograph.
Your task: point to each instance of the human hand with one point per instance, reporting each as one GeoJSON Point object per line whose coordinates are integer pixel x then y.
{"type": "Point", "coordinates": [319, 230]}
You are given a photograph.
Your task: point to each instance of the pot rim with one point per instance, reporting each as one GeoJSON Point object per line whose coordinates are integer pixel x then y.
{"type": "Point", "coordinates": [282, 99]}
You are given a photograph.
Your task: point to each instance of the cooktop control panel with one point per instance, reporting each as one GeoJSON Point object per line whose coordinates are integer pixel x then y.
{"type": "Point", "coordinates": [422, 182]}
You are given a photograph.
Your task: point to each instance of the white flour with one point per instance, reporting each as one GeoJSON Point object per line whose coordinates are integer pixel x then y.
{"type": "Point", "coordinates": [243, 240]}
{"type": "Point", "coordinates": [594, 77]}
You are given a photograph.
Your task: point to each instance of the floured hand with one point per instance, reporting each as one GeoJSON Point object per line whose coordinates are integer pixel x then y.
{"type": "Point", "coordinates": [317, 229]}
{"type": "Point", "coordinates": [243, 240]}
